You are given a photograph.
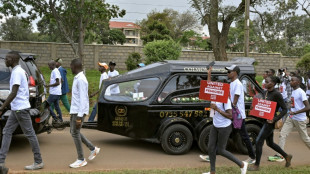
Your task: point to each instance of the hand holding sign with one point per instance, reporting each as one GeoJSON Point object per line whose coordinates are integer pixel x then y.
{"type": "Point", "coordinates": [263, 108]}
{"type": "Point", "coordinates": [214, 91]}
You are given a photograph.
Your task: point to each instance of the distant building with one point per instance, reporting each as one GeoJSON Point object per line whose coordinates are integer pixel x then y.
{"type": "Point", "coordinates": [131, 31]}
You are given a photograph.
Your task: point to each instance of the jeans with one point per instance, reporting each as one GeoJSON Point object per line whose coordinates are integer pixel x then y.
{"type": "Point", "coordinates": [23, 119]}
{"type": "Point", "coordinates": [65, 102]}
{"type": "Point", "coordinates": [78, 137]}
{"type": "Point", "coordinates": [266, 133]}
{"type": "Point", "coordinates": [246, 139]}
{"type": "Point", "coordinates": [288, 127]}
{"type": "Point", "coordinates": [93, 113]}
{"type": "Point", "coordinates": [54, 99]}
{"type": "Point", "coordinates": [217, 145]}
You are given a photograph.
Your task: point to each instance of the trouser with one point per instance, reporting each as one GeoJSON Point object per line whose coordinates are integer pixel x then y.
{"type": "Point", "coordinates": [288, 127]}
{"type": "Point", "coordinates": [246, 139]}
{"type": "Point", "coordinates": [93, 113]}
{"type": "Point", "coordinates": [78, 137]}
{"type": "Point", "coordinates": [23, 119]}
{"type": "Point", "coordinates": [308, 112]}
{"type": "Point", "coordinates": [54, 99]}
{"type": "Point", "coordinates": [266, 133]}
{"type": "Point", "coordinates": [217, 145]}
{"type": "Point", "coordinates": [65, 102]}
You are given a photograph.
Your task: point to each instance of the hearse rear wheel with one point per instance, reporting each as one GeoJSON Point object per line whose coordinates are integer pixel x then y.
{"type": "Point", "coordinates": [204, 139]}
{"type": "Point", "coordinates": [176, 139]}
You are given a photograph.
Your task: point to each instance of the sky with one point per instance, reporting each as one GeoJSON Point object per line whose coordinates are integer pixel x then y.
{"type": "Point", "coordinates": [136, 10]}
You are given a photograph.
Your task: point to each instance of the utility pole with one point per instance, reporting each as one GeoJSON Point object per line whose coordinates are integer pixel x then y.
{"type": "Point", "coordinates": [247, 28]}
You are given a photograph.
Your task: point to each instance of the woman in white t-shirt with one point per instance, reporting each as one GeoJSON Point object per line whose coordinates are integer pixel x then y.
{"type": "Point", "coordinates": [219, 134]}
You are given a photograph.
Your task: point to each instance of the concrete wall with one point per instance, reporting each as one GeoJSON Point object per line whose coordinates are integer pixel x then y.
{"type": "Point", "coordinates": [119, 54]}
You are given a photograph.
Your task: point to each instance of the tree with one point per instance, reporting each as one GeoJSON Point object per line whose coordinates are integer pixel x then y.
{"type": "Point", "coordinates": [157, 31]}
{"type": "Point", "coordinates": [14, 29]}
{"type": "Point", "coordinates": [212, 12]}
{"type": "Point", "coordinates": [71, 16]}
{"type": "Point", "coordinates": [133, 60]}
{"type": "Point", "coordinates": [304, 63]}
{"type": "Point", "coordinates": [175, 22]}
{"type": "Point", "coordinates": [116, 36]}
{"type": "Point", "coordinates": [160, 50]}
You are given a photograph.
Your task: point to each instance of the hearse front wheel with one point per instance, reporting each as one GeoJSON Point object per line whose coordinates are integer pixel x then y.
{"type": "Point", "coordinates": [176, 139]}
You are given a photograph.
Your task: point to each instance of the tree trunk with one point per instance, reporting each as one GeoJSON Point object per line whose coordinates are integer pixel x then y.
{"type": "Point", "coordinates": [81, 35]}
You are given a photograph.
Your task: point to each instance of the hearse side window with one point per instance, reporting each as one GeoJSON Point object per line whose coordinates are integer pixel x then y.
{"type": "Point", "coordinates": [250, 90]}
{"type": "Point", "coordinates": [136, 90]}
{"type": "Point", "coordinates": [5, 73]}
{"type": "Point", "coordinates": [187, 98]}
{"type": "Point", "coordinates": [181, 82]}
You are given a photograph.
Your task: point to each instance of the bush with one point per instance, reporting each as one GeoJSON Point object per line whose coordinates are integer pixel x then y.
{"type": "Point", "coordinates": [160, 50]}
{"type": "Point", "coordinates": [133, 60]}
{"type": "Point", "coordinates": [304, 63]}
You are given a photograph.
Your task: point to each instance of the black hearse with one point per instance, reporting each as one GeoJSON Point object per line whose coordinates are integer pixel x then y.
{"type": "Point", "coordinates": [159, 103]}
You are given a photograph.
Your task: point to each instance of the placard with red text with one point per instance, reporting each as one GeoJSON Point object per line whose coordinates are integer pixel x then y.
{"type": "Point", "coordinates": [263, 108]}
{"type": "Point", "coordinates": [214, 91]}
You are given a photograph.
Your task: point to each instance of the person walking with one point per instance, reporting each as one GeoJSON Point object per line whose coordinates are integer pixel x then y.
{"type": "Point", "coordinates": [297, 116]}
{"type": "Point", "coordinates": [114, 89]}
{"type": "Point", "coordinates": [220, 132]}
{"type": "Point", "coordinates": [266, 132]}
{"type": "Point", "coordinates": [308, 95]}
{"type": "Point", "coordinates": [54, 91]}
{"type": "Point", "coordinates": [64, 85]}
{"type": "Point", "coordinates": [237, 98]}
{"type": "Point", "coordinates": [265, 75]}
{"type": "Point", "coordinates": [79, 109]}
{"type": "Point", "coordinates": [102, 69]}
{"type": "Point", "coordinates": [19, 101]}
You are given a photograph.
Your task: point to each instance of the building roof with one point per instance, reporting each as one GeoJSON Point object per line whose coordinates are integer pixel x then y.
{"type": "Point", "coordinates": [115, 24]}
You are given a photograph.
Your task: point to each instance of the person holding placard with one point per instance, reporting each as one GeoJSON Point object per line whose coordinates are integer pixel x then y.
{"type": "Point", "coordinates": [219, 134]}
{"type": "Point", "coordinates": [266, 133]}
{"type": "Point", "coordinates": [237, 98]}
{"type": "Point", "coordinates": [297, 118]}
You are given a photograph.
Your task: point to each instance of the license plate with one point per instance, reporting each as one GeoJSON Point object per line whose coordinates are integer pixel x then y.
{"type": "Point", "coordinates": [43, 98]}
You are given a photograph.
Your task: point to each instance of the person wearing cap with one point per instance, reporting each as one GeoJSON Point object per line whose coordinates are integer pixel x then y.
{"type": "Point", "coordinates": [237, 98]}
{"type": "Point", "coordinates": [64, 85]}
{"type": "Point", "coordinates": [141, 65]}
{"type": "Point", "coordinates": [102, 68]}
{"type": "Point", "coordinates": [114, 89]}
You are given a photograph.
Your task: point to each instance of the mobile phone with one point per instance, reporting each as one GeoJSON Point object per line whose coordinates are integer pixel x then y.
{"type": "Point", "coordinates": [211, 64]}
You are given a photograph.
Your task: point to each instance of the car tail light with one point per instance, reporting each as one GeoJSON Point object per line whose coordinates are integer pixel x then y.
{"type": "Point", "coordinates": [37, 120]}
{"type": "Point", "coordinates": [32, 82]}
{"type": "Point", "coordinates": [207, 109]}
{"type": "Point", "coordinates": [32, 87]}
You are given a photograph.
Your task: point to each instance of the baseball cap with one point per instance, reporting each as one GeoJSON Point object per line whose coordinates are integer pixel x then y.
{"type": "Point", "coordinates": [112, 63]}
{"type": "Point", "coordinates": [233, 68]}
{"type": "Point", "coordinates": [58, 60]}
{"type": "Point", "coordinates": [141, 65]}
{"type": "Point", "coordinates": [103, 65]}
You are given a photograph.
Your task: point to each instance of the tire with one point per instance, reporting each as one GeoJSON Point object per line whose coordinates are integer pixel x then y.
{"type": "Point", "coordinates": [204, 139]}
{"type": "Point", "coordinates": [253, 131]}
{"type": "Point", "coordinates": [176, 139]}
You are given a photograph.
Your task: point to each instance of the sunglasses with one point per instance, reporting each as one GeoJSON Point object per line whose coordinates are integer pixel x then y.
{"type": "Point", "coordinates": [228, 72]}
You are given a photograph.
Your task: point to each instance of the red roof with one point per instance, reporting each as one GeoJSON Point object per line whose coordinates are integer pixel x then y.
{"type": "Point", "coordinates": [115, 24]}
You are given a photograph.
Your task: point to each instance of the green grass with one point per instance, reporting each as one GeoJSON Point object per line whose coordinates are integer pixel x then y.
{"type": "Point", "coordinates": [222, 170]}
{"type": "Point", "coordinates": [93, 77]}
{"type": "Point", "coordinates": [259, 79]}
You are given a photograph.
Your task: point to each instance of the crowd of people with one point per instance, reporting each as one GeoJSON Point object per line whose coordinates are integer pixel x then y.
{"type": "Point", "coordinates": [289, 90]}
{"type": "Point", "coordinates": [291, 93]}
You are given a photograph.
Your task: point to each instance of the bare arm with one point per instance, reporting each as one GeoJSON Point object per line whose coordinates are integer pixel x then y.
{"type": "Point", "coordinates": [55, 84]}
{"type": "Point", "coordinates": [236, 98]}
{"type": "Point", "coordinates": [305, 109]}
{"type": "Point", "coordinates": [226, 114]}
{"type": "Point", "coordinates": [10, 98]}
{"type": "Point", "coordinates": [209, 73]}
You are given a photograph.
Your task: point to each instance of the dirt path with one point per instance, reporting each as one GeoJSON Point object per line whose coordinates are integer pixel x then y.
{"type": "Point", "coordinates": [119, 152]}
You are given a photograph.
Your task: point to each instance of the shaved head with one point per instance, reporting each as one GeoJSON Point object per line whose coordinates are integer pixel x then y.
{"type": "Point", "coordinates": [76, 66]}
{"type": "Point", "coordinates": [52, 62]}
{"type": "Point", "coordinates": [14, 55]}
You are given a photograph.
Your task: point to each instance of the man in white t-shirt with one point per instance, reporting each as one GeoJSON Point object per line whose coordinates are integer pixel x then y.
{"type": "Point", "coordinates": [19, 100]}
{"type": "Point", "coordinates": [102, 68]}
{"type": "Point", "coordinates": [114, 89]}
{"type": "Point", "coordinates": [308, 95]}
{"type": "Point", "coordinates": [297, 118]}
{"type": "Point", "coordinates": [55, 91]}
{"type": "Point", "coordinates": [237, 98]}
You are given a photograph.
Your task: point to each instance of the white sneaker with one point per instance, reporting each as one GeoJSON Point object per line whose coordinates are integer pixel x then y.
{"type": "Point", "coordinates": [94, 153]}
{"type": "Point", "coordinates": [245, 167]}
{"type": "Point", "coordinates": [78, 163]}
{"type": "Point", "coordinates": [206, 173]}
{"type": "Point", "coordinates": [205, 157]}
{"type": "Point", "coordinates": [250, 161]}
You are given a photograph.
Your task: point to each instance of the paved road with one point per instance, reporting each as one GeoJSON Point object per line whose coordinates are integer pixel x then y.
{"type": "Point", "coordinates": [119, 152]}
